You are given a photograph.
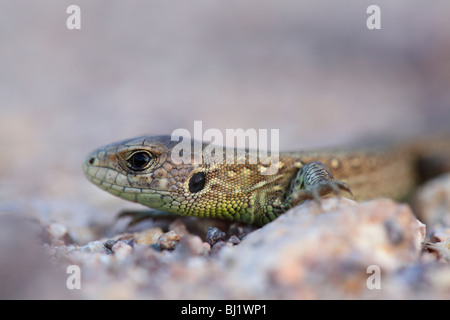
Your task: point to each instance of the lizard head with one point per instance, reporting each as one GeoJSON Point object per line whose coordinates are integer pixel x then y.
{"type": "Point", "coordinates": [148, 170]}
{"type": "Point", "coordinates": [141, 170]}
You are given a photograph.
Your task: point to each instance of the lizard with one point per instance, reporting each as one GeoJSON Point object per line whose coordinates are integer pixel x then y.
{"type": "Point", "coordinates": [143, 170]}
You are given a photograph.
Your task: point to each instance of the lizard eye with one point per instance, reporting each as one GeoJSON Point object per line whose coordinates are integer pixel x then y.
{"type": "Point", "coordinates": [140, 160]}
{"type": "Point", "coordinates": [197, 182]}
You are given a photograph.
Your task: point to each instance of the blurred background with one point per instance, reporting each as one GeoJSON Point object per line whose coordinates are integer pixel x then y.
{"type": "Point", "coordinates": [309, 68]}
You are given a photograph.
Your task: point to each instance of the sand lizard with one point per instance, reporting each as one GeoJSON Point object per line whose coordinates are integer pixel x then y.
{"type": "Point", "coordinates": [141, 170]}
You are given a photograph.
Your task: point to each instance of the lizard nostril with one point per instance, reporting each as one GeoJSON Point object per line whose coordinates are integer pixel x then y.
{"type": "Point", "coordinates": [91, 161]}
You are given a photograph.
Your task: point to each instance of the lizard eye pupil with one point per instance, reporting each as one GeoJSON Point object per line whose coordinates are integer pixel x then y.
{"type": "Point", "coordinates": [197, 182]}
{"type": "Point", "coordinates": [140, 160]}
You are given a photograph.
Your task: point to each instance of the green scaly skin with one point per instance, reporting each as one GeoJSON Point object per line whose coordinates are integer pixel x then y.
{"type": "Point", "coordinates": [142, 170]}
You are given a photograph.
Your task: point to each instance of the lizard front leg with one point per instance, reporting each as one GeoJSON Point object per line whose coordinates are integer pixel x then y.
{"type": "Point", "coordinates": [312, 181]}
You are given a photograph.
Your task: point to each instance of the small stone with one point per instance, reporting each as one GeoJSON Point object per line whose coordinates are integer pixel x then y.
{"type": "Point", "coordinates": [57, 230]}
{"type": "Point", "coordinates": [122, 249]}
{"type": "Point", "coordinates": [109, 244]}
{"type": "Point", "coordinates": [214, 235]}
{"type": "Point", "coordinates": [192, 245]}
{"type": "Point", "coordinates": [148, 236]}
{"type": "Point", "coordinates": [234, 240]}
{"type": "Point", "coordinates": [131, 242]}
{"type": "Point", "coordinates": [218, 246]}
{"type": "Point", "coordinates": [113, 245]}
{"type": "Point", "coordinates": [94, 246]}
{"type": "Point", "coordinates": [168, 240]}
{"type": "Point", "coordinates": [440, 234]}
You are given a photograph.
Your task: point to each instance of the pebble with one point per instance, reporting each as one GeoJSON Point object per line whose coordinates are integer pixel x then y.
{"type": "Point", "coordinates": [122, 249]}
{"type": "Point", "coordinates": [94, 246]}
{"type": "Point", "coordinates": [55, 233]}
{"type": "Point", "coordinates": [218, 246]}
{"type": "Point", "coordinates": [439, 234]}
{"type": "Point", "coordinates": [214, 235]}
{"type": "Point", "coordinates": [234, 240]}
{"type": "Point", "coordinates": [57, 230]}
{"type": "Point", "coordinates": [168, 240]}
{"type": "Point", "coordinates": [192, 245]}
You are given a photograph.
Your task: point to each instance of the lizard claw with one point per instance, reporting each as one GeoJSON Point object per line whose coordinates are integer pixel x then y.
{"type": "Point", "coordinates": [320, 189]}
{"type": "Point", "coordinates": [316, 180]}
{"type": "Point", "coordinates": [337, 186]}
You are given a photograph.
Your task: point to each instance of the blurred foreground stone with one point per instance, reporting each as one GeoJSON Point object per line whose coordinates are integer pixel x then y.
{"type": "Point", "coordinates": [343, 249]}
{"type": "Point", "coordinates": [25, 271]}
{"type": "Point", "coordinates": [310, 253]}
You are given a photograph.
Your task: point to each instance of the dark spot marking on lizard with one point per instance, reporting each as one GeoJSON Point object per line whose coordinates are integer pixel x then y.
{"type": "Point", "coordinates": [197, 182]}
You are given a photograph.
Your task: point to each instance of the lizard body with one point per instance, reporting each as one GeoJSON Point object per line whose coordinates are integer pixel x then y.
{"type": "Point", "coordinates": [143, 170]}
